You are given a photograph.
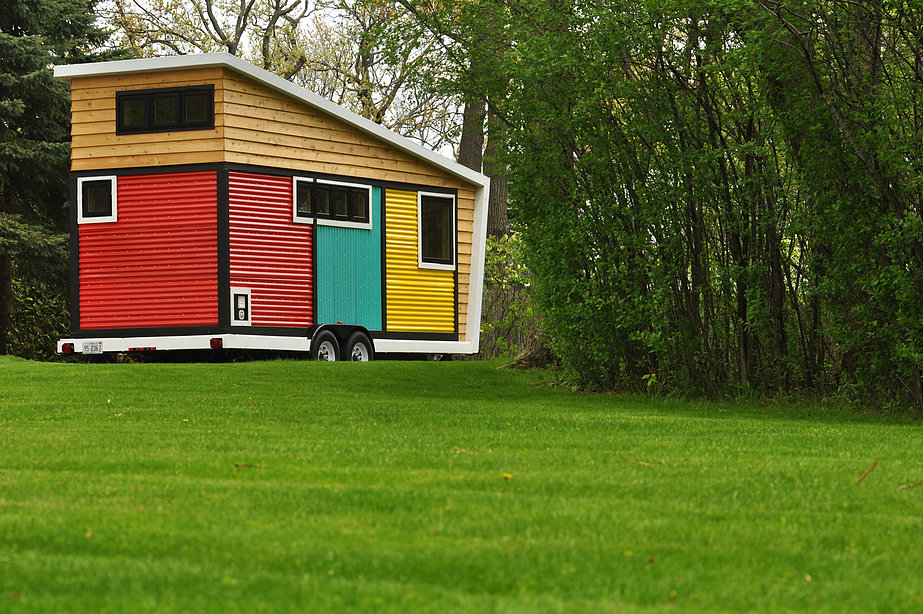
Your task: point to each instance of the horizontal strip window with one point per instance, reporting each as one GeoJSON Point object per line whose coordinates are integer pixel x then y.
{"type": "Point", "coordinates": [332, 203]}
{"type": "Point", "coordinates": [163, 110]}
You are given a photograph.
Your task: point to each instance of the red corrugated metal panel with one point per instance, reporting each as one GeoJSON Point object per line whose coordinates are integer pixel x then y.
{"type": "Point", "coordinates": [157, 265]}
{"type": "Point", "coordinates": [270, 254]}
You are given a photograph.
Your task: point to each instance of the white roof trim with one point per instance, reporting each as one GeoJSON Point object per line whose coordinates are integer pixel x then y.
{"type": "Point", "coordinates": [69, 71]}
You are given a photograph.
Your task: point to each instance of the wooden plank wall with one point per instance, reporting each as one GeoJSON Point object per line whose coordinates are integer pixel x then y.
{"type": "Point", "coordinates": [95, 145]}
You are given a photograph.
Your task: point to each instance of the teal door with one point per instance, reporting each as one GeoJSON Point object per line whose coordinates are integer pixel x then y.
{"type": "Point", "coordinates": [349, 272]}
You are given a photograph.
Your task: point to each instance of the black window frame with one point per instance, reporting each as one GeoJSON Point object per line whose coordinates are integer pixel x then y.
{"type": "Point", "coordinates": [322, 190]}
{"type": "Point", "coordinates": [452, 246]}
{"type": "Point", "coordinates": [179, 96]}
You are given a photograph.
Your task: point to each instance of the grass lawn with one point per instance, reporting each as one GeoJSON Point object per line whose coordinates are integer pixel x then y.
{"type": "Point", "coordinates": [288, 486]}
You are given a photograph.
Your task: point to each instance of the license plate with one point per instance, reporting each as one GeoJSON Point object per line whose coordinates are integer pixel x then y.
{"type": "Point", "coordinates": [92, 347]}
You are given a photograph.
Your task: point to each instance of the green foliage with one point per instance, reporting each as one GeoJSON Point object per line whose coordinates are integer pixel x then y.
{"type": "Point", "coordinates": [379, 487]}
{"type": "Point", "coordinates": [722, 198]}
{"type": "Point", "coordinates": [508, 321]}
{"type": "Point", "coordinates": [40, 317]}
{"type": "Point", "coordinates": [34, 149]}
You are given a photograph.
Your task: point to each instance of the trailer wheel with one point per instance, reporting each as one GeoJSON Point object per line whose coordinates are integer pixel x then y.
{"type": "Point", "coordinates": [359, 348]}
{"type": "Point", "coordinates": [324, 346]}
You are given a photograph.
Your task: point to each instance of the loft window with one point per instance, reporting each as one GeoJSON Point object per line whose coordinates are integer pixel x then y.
{"type": "Point", "coordinates": [96, 200]}
{"type": "Point", "coordinates": [332, 203]}
{"type": "Point", "coordinates": [177, 108]}
{"type": "Point", "coordinates": [436, 243]}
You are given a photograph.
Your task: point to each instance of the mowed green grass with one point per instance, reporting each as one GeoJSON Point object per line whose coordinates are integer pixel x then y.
{"type": "Point", "coordinates": [287, 486]}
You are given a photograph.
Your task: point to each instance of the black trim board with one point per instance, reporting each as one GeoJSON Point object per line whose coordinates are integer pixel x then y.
{"type": "Point", "coordinates": [224, 247]}
{"type": "Point", "coordinates": [74, 255]}
{"type": "Point", "coordinates": [384, 259]}
{"type": "Point", "coordinates": [177, 331]}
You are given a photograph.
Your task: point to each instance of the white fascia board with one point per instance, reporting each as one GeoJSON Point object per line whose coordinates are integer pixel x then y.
{"type": "Point", "coordinates": [261, 342]}
{"type": "Point", "coordinates": [67, 72]}
{"type": "Point", "coordinates": [193, 342]}
{"type": "Point", "coordinates": [478, 256]}
{"type": "Point", "coordinates": [400, 346]}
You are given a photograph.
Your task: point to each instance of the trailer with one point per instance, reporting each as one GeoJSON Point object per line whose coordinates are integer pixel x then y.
{"type": "Point", "coordinates": [215, 205]}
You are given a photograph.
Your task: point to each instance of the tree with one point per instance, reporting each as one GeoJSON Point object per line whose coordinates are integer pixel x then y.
{"type": "Point", "coordinates": [719, 198]}
{"type": "Point", "coordinates": [34, 134]}
{"type": "Point", "coordinates": [366, 55]}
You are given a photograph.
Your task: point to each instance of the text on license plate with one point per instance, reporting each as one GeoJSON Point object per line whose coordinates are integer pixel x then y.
{"type": "Point", "coordinates": [92, 347]}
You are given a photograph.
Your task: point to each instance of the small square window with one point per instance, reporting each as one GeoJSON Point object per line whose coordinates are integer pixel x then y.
{"type": "Point", "coordinates": [96, 199]}
{"type": "Point", "coordinates": [166, 111]}
{"type": "Point", "coordinates": [133, 113]}
{"type": "Point", "coordinates": [437, 231]}
{"type": "Point", "coordinates": [197, 108]}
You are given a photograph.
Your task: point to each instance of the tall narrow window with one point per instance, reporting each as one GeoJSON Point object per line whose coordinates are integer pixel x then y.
{"type": "Point", "coordinates": [96, 199]}
{"type": "Point", "coordinates": [340, 203]}
{"type": "Point", "coordinates": [165, 110]}
{"type": "Point", "coordinates": [436, 231]}
{"type": "Point", "coordinates": [359, 203]}
{"type": "Point", "coordinates": [323, 200]}
{"type": "Point", "coordinates": [304, 200]}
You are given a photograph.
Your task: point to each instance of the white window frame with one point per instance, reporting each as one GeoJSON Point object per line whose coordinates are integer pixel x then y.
{"type": "Point", "coordinates": [438, 266]}
{"type": "Point", "coordinates": [295, 217]}
{"type": "Point", "coordinates": [322, 221]}
{"type": "Point", "coordinates": [235, 322]}
{"type": "Point", "coordinates": [113, 217]}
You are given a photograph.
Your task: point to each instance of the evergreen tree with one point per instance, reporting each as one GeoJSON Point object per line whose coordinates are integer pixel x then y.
{"type": "Point", "coordinates": [34, 135]}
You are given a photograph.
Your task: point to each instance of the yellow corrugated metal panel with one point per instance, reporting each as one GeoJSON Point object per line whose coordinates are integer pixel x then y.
{"type": "Point", "coordinates": [418, 300]}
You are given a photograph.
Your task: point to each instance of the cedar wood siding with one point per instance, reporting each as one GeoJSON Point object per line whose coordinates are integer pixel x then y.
{"type": "Point", "coordinates": [256, 125]}
{"type": "Point", "coordinates": [96, 146]}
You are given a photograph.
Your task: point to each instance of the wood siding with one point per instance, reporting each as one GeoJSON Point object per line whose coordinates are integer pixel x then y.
{"type": "Point", "coordinates": [95, 145]}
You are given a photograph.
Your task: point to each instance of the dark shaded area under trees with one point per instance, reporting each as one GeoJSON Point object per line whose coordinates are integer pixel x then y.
{"type": "Point", "coordinates": [34, 162]}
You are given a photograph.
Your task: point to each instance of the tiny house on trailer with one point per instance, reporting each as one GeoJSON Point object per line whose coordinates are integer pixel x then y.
{"type": "Point", "coordinates": [216, 205]}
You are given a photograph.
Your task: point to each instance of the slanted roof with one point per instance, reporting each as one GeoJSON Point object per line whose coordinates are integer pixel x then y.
{"type": "Point", "coordinates": [226, 60]}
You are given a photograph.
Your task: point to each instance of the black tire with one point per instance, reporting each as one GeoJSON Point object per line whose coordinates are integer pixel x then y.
{"type": "Point", "coordinates": [359, 348]}
{"type": "Point", "coordinates": [324, 346]}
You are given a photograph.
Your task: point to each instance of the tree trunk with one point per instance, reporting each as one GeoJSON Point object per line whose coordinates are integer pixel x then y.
{"type": "Point", "coordinates": [6, 300]}
{"type": "Point", "coordinates": [471, 147]}
{"type": "Point", "coordinates": [498, 221]}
